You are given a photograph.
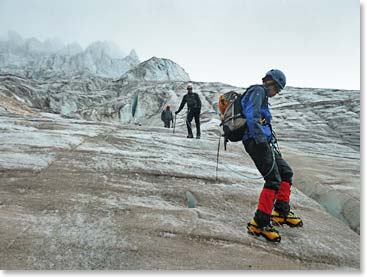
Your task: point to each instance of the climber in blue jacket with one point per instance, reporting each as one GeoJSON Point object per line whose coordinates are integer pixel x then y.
{"type": "Point", "coordinates": [260, 143]}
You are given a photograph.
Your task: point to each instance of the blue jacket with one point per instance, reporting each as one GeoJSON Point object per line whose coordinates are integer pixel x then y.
{"type": "Point", "coordinates": [255, 107]}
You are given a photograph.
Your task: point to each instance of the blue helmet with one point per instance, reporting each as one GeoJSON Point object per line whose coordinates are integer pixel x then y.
{"type": "Point", "coordinates": [278, 76]}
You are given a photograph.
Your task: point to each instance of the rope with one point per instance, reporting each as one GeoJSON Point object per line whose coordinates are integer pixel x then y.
{"type": "Point", "coordinates": [274, 148]}
{"type": "Point", "coordinates": [252, 178]}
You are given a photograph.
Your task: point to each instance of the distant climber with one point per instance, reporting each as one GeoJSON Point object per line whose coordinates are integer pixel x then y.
{"type": "Point", "coordinates": [260, 143]}
{"type": "Point", "coordinates": [193, 111]}
{"type": "Point", "coordinates": [167, 116]}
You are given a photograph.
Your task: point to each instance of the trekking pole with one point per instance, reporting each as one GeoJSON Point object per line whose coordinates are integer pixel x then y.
{"type": "Point", "coordinates": [216, 170]}
{"type": "Point", "coordinates": [174, 124]}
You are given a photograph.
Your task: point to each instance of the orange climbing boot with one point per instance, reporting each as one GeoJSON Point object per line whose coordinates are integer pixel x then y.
{"type": "Point", "coordinates": [291, 219]}
{"type": "Point", "coordinates": [268, 232]}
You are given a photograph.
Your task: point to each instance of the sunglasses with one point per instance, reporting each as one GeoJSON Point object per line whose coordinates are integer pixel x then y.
{"type": "Point", "coordinates": [275, 85]}
{"type": "Point", "coordinates": [277, 88]}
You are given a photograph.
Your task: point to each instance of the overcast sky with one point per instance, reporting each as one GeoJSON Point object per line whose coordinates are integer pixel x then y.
{"type": "Point", "coordinates": [315, 42]}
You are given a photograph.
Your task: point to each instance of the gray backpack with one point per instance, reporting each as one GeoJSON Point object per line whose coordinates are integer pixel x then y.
{"type": "Point", "coordinates": [233, 122]}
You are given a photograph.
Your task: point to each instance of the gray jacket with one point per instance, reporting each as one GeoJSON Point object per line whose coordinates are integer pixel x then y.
{"type": "Point", "coordinates": [166, 116]}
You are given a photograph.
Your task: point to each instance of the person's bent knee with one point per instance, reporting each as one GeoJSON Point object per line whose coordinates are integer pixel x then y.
{"type": "Point", "coordinates": [272, 185]}
{"type": "Point", "coordinates": [287, 175]}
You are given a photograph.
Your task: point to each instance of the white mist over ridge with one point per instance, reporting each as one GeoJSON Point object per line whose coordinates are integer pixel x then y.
{"type": "Point", "coordinates": [33, 58]}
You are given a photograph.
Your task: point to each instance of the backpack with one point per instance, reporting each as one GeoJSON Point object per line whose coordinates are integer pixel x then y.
{"type": "Point", "coordinates": [233, 122]}
{"type": "Point", "coordinates": [192, 101]}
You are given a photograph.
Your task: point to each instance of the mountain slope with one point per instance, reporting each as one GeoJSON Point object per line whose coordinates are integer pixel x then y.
{"type": "Point", "coordinates": [134, 174]}
{"type": "Point", "coordinates": [304, 120]}
{"type": "Point", "coordinates": [78, 194]}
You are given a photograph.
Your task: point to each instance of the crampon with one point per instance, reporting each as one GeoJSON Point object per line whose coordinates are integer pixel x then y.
{"type": "Point", "coordinates": [268, 232]}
